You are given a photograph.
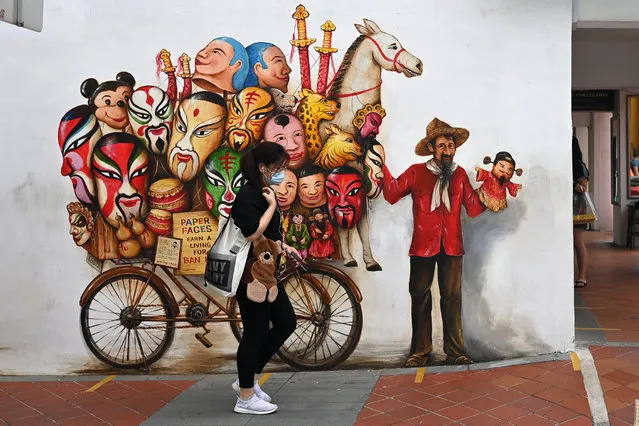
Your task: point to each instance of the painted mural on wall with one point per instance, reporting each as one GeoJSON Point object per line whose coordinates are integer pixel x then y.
{"type": "Point", "coordinates": [151, 163]}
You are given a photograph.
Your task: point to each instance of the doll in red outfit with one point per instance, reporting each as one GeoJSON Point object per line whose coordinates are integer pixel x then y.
{"type": "Point", "coordinates": [492, 192]}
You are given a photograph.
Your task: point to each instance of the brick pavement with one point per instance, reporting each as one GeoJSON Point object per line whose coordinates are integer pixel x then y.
{"type": "Point", "coordinates": [537, 394]}
{"type": "Point", "coordinates": [618, 369]}
{"type": "Point", "coordinates": [69, 403]}
{"type": "Point", "coordinates": [612, 293]}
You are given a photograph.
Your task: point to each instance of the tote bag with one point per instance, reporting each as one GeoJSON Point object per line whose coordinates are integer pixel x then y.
{"type": "Point", "coordinates": [226, 259]}
{"type": "Point", "coordinates": [583, 209]}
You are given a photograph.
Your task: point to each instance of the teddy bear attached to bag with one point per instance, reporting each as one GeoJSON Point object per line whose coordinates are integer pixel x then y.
{"type": "Point", "coordinates": [264, 284]}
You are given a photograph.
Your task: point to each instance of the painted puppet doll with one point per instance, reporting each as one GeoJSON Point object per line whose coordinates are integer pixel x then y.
{"type": "Point", "coordinates": [496, 183]}
{"type": "Point", "coordinates": [321, 232]}
{"type": "Point", "coordinates": [298, 236]}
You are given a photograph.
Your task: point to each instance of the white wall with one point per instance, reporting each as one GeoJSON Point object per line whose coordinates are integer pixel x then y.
{"type": "Point", "coordinates": [518, 264]}
{"type": "Point", "coordinates": [591, 13]}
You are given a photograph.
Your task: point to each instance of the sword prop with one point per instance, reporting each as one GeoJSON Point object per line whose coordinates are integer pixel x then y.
{"type": "Point", "coordinates": [302, 43]}
{"type": "Point", "coordinates": [326, 51]}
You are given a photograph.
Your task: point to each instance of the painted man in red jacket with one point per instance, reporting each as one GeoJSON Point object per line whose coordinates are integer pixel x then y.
{"type": "Point", "coordinates": [439, 188]}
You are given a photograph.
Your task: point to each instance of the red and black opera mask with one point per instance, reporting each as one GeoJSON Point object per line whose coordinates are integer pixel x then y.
{"type": "Point", "coordinates": [78, 133]}
{"type": "Point", "coordinates": [121, 170]}
{"type": "Point", "coordinates": [346, 196]}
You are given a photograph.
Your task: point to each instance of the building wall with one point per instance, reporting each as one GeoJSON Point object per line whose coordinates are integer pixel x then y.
{"type": "Point", "coordinates": [517, 263]}
{"type": "Point", "coordinates": [594, 13]}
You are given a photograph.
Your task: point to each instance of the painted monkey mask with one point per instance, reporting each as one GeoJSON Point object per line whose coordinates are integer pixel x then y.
{"type": "Point", "coordinates": [151, 115]}
{"type": "Point", "coordinates": [121, 171]}
{"type": "Point", "coordinates": [248, 112]}
{"type": "Point", "coordinates": [109, 100]}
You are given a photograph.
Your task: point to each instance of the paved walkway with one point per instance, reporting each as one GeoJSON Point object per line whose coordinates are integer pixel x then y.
{"type": "Point", "coordinates": [558, 390]}
{"type": "Point", "coordinates": [599, 384]}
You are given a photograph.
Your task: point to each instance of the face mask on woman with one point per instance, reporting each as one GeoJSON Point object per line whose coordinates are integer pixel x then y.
{"type": "Point", "coordinates": [276, 178]}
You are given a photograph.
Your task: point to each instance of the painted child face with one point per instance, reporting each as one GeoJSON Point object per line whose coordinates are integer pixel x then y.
{"type": "Point", "coordinates": [248, 112]}
{"type": "Point", "coordinates": [286, 191]}
{"type": "Point", "coordinates": [298, 219]}
{"type": "Point", "coordinates": [373, 168]}
{"type": "Point", "coordinates": [312, 190]}
{"type": "Point", "coordinates": [287, 130]}
{"type": "Point", "coordinates": [78, 228]}
{"type": "Point", "coordinates": [78, 133]}
{"type": "Point", "coordinates": [371, 125]}
{"type": "Point", "coordinates": [151, 115]}
{"type": "Point", "coordinates": [503, 170]}
{"type": "Point", "coordinates": [276, 72]}
{"type": "Point", "coordinates": [345, 198]}
{"type": "Point", "coordinates": [121, 171]}
{"type": "Point", "coordinates": [222, 181]}
{"type": "Point", "coordinates": [197, 132]}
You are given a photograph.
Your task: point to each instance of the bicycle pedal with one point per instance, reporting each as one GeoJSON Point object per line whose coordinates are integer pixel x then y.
{"type": "Point", "coordinates": [203, 340]}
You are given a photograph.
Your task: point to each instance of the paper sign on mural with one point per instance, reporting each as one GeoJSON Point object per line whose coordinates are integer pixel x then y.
{"type": "Point", "coordinates": [198, 231]}
{"type": "Point", "coordinates": [167, 252]}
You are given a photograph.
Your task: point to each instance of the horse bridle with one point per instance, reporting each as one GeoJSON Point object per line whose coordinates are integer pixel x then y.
{"type": "Point", "coordinates": [394, 61]}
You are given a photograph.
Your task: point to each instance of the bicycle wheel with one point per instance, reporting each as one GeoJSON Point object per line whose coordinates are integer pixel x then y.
{"type": "Point", "coordinates": [119, 335]}
{"type": "Point", "coordinates": [329, 320]}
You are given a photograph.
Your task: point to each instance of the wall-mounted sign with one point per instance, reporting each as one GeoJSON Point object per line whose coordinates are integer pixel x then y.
{"type": "Point", "coordinates": [23, 13]}
{"type": "Point", "coordinates": [167, 252]}
{"type": "Point", "coordinates": [198, 231]}
{"type": "Point", "coordinates": [594, 100]}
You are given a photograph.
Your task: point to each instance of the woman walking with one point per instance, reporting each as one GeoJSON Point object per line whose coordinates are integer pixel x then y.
{"type": "Point", "coordinates": [580, 177]}
{"type": "Point", "coordinates": [256, 214]}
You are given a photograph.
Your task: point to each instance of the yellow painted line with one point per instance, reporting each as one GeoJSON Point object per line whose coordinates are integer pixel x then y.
{"type": "Point", "coordinates": [263, 379]}
{"type": "Point", "coordinates": [598, 329]}
{"type": "Point", "coordinates": [576, 364]}
{"type": "Point", "coordinates": [419, 376]}
{"type": "Point", "coordinates": [102, 382]}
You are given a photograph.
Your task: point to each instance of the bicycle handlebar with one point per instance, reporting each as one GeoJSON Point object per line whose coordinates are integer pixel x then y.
{"type": "Point", "coordinates": [299, 260]}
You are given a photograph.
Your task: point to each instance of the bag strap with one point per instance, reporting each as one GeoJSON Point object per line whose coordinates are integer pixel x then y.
{"type": "Point", "coordinates": [240, 240]}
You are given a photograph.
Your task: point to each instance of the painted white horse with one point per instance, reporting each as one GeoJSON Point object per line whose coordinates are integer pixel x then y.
{"type": "Point", "coordinates": [358, 82]}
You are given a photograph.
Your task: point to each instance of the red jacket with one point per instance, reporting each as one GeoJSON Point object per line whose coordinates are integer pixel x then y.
{"type": "Point", "coordinates": [440, 227]}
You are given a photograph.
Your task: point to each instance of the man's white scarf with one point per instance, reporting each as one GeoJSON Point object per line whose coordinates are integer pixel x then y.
{"type": "Point", "coordinates": [440, 195]}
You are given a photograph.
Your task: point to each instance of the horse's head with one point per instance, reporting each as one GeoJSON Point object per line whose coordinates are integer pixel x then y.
{"type": "Point", "coordinates": [388, 51]}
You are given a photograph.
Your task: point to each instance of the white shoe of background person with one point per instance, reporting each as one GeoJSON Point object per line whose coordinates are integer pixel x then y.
{"type": "Point", "coordinates": [256, 388]}
{"type": "Point", "coordinates": [254, 405]}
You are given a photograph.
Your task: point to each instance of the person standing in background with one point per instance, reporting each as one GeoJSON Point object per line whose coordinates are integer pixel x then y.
{"type": "Point", "coordinates": [580, 176]}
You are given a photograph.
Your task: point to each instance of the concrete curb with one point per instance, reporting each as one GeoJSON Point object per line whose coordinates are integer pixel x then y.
{"type": "Point", "coordinates": [557, 356]}
{"type": "Point", "coordinates": [595, 394]}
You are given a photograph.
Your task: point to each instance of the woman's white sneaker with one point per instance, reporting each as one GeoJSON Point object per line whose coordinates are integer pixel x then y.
{"type": "Point", "coordinates": [255, 405]}
{"type": "Point", "coordinates": [256, 388]}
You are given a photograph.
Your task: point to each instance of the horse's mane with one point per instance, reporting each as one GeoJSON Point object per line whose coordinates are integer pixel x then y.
{"type": "Point", "coordinates": [345, 65]}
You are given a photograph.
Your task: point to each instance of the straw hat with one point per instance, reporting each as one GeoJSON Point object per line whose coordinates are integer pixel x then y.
{"type": "Point", "coordinates": [439, 128]}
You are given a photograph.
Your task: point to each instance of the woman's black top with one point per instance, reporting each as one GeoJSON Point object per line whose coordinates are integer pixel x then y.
{"type": "Point", "coordinates": [248, 208]}
{"type": "Point", "coordinates": [579, 171]}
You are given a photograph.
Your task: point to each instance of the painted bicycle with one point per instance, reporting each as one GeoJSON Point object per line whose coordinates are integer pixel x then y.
{"type": "Point", "coordinates": [129, 315]}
